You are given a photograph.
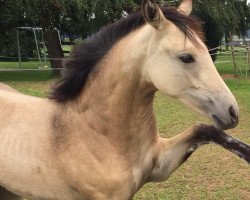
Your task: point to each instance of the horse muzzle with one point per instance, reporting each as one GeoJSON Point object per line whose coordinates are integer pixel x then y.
{"type": "Point", "coordinates": [220, 107]}
{"type": "Point", "coordinates": [227, 120]}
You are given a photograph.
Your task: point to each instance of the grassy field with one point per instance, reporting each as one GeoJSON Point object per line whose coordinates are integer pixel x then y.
{"type": "Point", "coordinates": [240, 59]}
{"type": "Point", "coordinates": [211, 172]}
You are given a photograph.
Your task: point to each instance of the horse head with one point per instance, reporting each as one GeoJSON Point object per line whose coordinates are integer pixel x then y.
{"type": "Point", "coordinates": [181, 67]}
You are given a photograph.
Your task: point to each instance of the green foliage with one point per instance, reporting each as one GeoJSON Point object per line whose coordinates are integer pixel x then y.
{"type": "Point", "coordinates": [212, 29]}
{"type": "Point", "coordinates": [243, 17]}
{"type": "Point", "coordinates": [11, 17]}
{"type": "Point", "coordinates": [105, 12]}
{"type": "Point", "coordinates": [222, 18]}
{"type": "Point", "coordinates": [45, 13]}
{"type": "Point", "coordinates": [233, 16]}
{"type": "Point", "coordinates": [84, 17]}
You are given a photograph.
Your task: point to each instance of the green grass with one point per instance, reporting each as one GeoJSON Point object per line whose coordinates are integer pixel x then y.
{"type": "Point", "coordinates": [33, 63]}
{"type": "Point", "coordinates": [211, 172]}
{"type": "Point", "coordinates": [227, 68]}
{"type": "Point", "coordinates": [24, 65]}
{"type": "Point", "coordinates": [25, 76]}
{"type": "Point", "coordinates": [67, 47]}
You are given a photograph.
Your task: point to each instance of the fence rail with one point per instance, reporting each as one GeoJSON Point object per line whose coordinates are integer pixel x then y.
{"type": "Point", "coordinates": [236, 52]}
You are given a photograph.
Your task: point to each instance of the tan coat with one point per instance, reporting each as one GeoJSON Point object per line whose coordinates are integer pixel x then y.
{"type": "Point", "coordinates": [104, 145]}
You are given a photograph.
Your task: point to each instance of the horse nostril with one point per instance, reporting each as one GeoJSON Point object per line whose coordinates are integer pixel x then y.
{"type": "Point", "coordinates": [233, 114]}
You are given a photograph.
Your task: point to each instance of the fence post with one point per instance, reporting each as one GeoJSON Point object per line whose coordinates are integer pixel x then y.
{"type": "Point", "coordinates": [234, 61]}
{"type": "Point", "coordinates": [44, 48]}
{"type": "Point", "coordinates": [248, 56]}
{"type": "Point", "coordinates": [18, 49]}
{"type": "Point", "coordinates": [37, 47]}
{"type": "Point", "coordinates": [248, 61]}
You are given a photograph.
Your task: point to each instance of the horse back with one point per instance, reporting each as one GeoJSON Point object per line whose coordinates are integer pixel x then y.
{"type": "Point", "coordinates": [27, 162]}
{"type": "Point", "coordinates": [7, 88]}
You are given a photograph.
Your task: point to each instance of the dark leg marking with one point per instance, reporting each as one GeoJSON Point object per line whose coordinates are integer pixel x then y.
{"type": "Point", "coordinates": [204, 134]}
{"type": "Point", "coordinates": [6, 195]}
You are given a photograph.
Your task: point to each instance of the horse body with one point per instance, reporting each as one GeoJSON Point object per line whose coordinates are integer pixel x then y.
{"type": "Point", "coordinates": [44, 157]}
{"type": "Point", "coordinates": [7, 88]}
{"type": "Point", "coordinates": [26, 160]}
{"type": "Point", "coordinates": [47, 151]}
{"type": "Point", "coordinates": [113, 137]}
{"type": "Point", "coordinates": [104, 143]}
{"type": "Point", "coordinates": [111, 129]}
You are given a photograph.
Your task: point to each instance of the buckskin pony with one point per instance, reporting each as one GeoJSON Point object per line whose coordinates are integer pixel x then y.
{"type": "Point", "coordinates": [96, 136]}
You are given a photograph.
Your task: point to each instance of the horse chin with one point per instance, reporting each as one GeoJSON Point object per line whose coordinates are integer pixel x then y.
{"type": "Point", "coordinates": [220, 125]}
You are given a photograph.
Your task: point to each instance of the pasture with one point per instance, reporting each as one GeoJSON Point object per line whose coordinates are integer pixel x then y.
{"type": "Point", "coordinates": [210, 173]}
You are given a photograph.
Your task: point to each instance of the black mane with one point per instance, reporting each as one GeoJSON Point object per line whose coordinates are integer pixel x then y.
{"type": "Point", "coordinates": [85, 57]}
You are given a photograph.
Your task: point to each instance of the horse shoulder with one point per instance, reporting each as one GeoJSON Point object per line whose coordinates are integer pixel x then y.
{"type": "Point", "coordinates": [103, 174]}
{"type": "Point", "coordinates": [116, 172]}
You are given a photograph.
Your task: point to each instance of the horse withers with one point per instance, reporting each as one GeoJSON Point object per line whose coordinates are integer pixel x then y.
{"type": "Point", "coordinates": [96, 137]}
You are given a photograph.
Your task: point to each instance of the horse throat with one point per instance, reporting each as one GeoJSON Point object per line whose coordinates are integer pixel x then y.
{"type": "Point", "coordinates": [118, 96]}
{"type": "Point", "coordinates": [116, 103]}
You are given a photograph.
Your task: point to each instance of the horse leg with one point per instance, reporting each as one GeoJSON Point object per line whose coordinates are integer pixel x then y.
{"type": "Point", "coordinates": [175, 151]}
{"type": "Point", "coordinates": [6, 195]}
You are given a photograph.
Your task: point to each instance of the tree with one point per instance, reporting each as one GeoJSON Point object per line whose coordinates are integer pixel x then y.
{"type": "Point", "coordinates": [47, 13]}
{"type": "Point", "coordinates": [243, 17]}
{"type": "Point", "coordinates": [11, 16]}
{"type": "Point", "coordinates": [231, 16]}
{"type": "Point", "coordinates": [85, 17]}
{"type": "Point", "coordinates": [213, 31]}
{"type": "Point", "coordinates": [74, 17]}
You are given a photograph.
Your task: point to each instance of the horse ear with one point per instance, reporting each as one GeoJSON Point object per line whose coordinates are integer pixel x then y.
{"type": "Point", "coordinates": [152, 13]}
{"type": "Point", "coordinates": [186, 7]}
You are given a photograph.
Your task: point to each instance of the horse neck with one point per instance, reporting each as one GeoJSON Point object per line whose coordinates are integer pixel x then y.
{"type": "Point", "coordinates": [117, 96]}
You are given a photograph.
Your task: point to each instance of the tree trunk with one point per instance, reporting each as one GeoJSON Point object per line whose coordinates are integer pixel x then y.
{"type": "Point", "coordinates": [54, 48]}
{"type": "Point", "coordinates": [227, 40]}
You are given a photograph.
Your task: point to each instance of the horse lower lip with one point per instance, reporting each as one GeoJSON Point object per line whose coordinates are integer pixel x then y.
{"type": "Point", "coordinates": [222, 126]}
{"type": "Point", "coordinates": [218, 123]}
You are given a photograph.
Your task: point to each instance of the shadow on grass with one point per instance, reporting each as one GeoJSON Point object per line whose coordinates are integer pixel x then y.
{"type": "Point", "coordinates": [27, 76]}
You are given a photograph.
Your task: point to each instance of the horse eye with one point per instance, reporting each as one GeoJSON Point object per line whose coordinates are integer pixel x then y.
{"type": "Point", "coordinates": [187, 58]}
